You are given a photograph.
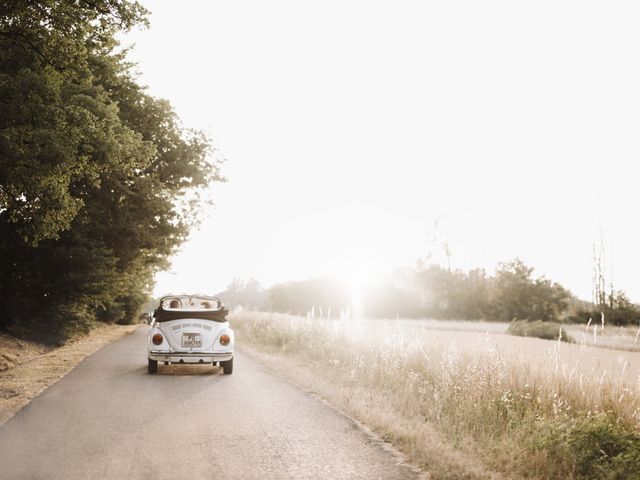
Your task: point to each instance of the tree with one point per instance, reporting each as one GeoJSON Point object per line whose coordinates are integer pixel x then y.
{"type": "Point", "coordinates": [99, 183]}
{"type": "Point", "coordinates": [58, 127]}
{"type": "Point", "coordinates": [517, 295]}
{"type": "Point", "coordinates": [246, 293]}
{"type": "Point", "coordinates": [301, 296]}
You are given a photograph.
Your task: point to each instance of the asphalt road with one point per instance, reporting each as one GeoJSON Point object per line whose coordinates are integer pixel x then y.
{"type": "Point", "coordinates": [109, 419]}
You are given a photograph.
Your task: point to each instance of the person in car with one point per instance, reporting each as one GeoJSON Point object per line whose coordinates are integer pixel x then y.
{"type": "Point", "coordinates": [175, 303]}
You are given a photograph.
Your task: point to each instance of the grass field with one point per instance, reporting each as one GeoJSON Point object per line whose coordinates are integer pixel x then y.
{"type": "Point", "coordinates": [464, 400]}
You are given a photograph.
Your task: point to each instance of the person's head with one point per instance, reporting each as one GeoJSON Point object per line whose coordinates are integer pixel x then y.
{"type": "Point", "coordinates": [174, 303]}
{"type": "Point", "coordinates": [206, 305]}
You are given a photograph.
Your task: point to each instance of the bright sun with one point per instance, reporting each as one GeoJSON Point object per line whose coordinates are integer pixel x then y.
{"type": "Point", "coordinates": [357, 276]}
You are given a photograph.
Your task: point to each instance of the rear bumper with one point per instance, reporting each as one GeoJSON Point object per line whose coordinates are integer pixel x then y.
{"type": "Point", "coordinates": [191, 357]}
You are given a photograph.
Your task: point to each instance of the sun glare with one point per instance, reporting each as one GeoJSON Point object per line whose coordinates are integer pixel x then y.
{"type": "Point", "coordinates": [358, 275]}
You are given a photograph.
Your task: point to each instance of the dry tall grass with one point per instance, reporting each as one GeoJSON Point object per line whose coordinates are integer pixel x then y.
{"type": "Point", "coordinates": [472, 412]}
{"type": "Point", "coordinates": [607, 336]}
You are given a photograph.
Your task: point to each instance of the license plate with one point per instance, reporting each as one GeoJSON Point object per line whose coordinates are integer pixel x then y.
{"type": "Point", "coordinates": [191, 340]}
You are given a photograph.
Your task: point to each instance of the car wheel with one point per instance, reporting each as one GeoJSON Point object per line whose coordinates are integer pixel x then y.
{"type": "Point", "coordinates": [227, 367]}
{"type": "Point", "coordinates": [153, 366]}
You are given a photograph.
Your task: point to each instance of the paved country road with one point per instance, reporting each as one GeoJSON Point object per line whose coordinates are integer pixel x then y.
{"type": "Point", "coordinates": [109, 419]}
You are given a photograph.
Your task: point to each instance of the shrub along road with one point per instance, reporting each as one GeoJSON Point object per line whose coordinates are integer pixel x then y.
{"type": "Point", "coordinates": [108, 418]}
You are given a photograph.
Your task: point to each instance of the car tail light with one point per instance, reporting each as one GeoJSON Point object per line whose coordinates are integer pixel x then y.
{"type": "Point", "coordinates": [224, 339]}
{"type": "Point", "coordinates": [157, 339]}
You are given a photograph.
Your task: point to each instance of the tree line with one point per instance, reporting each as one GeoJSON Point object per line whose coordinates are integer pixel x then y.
{"type": "Point", "coordinates": [432, 291]}
{"type": "Point", "coordinates": [99, 182]}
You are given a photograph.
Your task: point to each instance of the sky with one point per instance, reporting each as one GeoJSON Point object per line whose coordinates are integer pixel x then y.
{"type": "Point", "coordinates": [354, 133]}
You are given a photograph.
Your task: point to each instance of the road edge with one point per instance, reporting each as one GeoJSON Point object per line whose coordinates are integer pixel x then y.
{"type": "Point", "coordinates": [28, 380]}
{"type": "Point", "coordinates": [401, 458]}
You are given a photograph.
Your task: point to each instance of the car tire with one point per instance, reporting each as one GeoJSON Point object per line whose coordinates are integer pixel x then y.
{"type": "Point", "coordinates": [227, 367]}
{"type": "Point", "coordinates": [153, 366]}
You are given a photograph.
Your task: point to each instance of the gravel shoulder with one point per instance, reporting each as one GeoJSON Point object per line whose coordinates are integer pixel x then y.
{"type": "Point", "coordinates": [28, 368]}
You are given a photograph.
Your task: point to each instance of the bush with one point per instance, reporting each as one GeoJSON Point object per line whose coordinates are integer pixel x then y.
{"type": "Point", "coordinates": [539, 329]}
{"type": "Point", "coordinates": [594, 447]}
{"type": "Point", "coordinates": [55, 325]}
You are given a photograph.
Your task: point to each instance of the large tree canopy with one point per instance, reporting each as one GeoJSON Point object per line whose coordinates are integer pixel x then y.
{"type": "Point", "coordinates": [99, 183]}
{"type": "Point", "coordinates": [59, 126]}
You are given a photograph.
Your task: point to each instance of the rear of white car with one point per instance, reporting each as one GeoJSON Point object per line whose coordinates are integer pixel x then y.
{"type": "Point", "coordinates": [191, 333]}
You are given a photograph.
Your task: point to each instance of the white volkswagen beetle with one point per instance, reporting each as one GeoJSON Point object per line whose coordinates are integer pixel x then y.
{"type": "Point", "coordinates": [190, 329]}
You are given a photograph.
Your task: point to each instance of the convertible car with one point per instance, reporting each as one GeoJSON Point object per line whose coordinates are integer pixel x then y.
{"type": "Point", "coordinates": [190, 329]}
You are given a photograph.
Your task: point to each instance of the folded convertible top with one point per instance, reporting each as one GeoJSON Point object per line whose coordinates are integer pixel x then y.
{"type": "Point", "coordinates": [168, 315]}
